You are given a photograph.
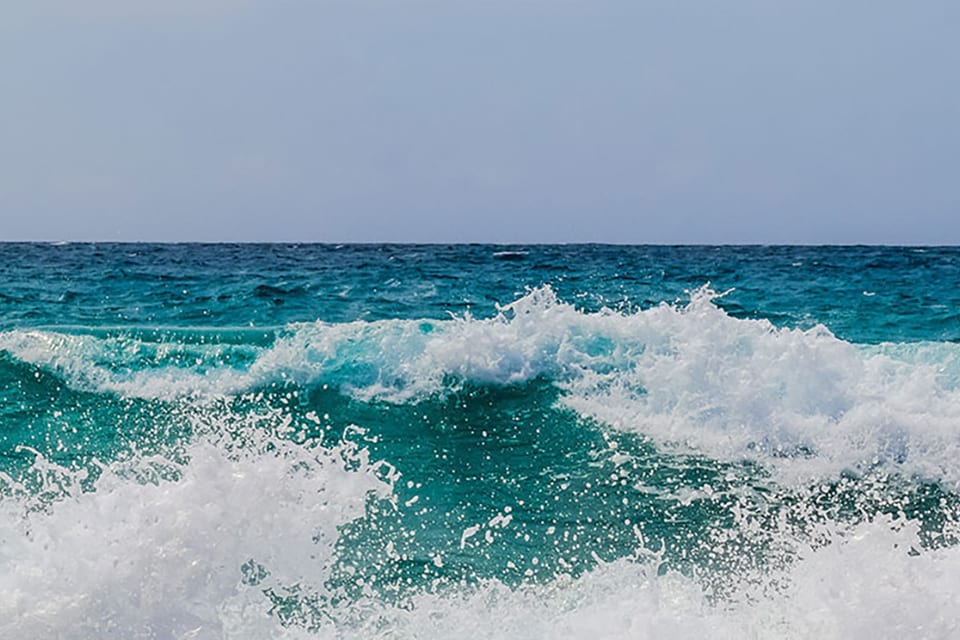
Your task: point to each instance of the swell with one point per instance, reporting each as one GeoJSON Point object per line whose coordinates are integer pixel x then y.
{"type": "Point", "coordinates": [802, 401]}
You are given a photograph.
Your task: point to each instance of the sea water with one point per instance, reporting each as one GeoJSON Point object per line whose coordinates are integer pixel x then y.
{"type": "Point", "coordinates": [397, 441]}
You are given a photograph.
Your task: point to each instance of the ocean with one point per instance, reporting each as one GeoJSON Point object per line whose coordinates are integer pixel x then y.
{"type": "Point", "coordinates": [404, 441]}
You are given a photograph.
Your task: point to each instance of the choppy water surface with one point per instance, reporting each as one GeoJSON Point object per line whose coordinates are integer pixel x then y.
{"type": "Point", "coordinates": [256, 441]}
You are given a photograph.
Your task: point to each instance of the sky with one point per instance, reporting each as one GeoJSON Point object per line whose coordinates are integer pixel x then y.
{"type": "Point", "coordinates": [514, 121]}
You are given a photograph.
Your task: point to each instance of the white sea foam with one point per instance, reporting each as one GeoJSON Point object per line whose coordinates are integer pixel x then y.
{"type": "Point", "coordinates": [802, 401]}
{"type": "Point", "coordinates": [866, 585]}
{"type": "Point", "coordinates": [160, 548]}
{"type": "Point", "coordinates": [164, 559]}
{"type": "Point", "coordinates": [128, 367]}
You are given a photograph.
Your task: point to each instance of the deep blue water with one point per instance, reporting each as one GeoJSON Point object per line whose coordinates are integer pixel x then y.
{"type": "Point", "coordinates": [862, 294]}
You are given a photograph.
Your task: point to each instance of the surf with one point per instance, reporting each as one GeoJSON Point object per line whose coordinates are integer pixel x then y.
{"type": "Point", "coordinates": [565, 469]}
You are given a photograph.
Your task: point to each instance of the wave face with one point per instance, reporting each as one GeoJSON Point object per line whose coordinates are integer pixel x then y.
{"type": "Point", "coordinates": [413, 442]}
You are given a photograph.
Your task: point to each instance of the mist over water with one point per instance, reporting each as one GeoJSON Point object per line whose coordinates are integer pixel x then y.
{"type": "Point", "coordinates": [416, 442]}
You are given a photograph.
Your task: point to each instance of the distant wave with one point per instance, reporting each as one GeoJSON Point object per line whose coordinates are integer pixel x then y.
{"type": "Point", "coordinates": [510, 255]}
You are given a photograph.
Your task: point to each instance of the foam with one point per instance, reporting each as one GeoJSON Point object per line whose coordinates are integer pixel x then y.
{"type": "Point", "coordinates": [158, 549]}
{"type": "Point", "coordinates": [134, 368]}
{"type": "Point", "coordinates": [802, 401]}
{"type": "Point", "coordinates": [163, 559]}
{"type": "Point", "coordinates": [867, 584]}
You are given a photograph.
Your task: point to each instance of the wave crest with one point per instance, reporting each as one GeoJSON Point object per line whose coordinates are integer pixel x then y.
{"type": "Point", "coordinates": [688, 374]}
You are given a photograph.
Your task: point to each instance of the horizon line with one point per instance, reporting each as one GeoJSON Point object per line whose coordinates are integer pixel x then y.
{"type": "Point", "coordinates": [360, 243]}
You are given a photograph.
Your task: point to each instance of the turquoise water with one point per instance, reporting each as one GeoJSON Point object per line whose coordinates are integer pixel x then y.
{"type": "Point", "coordinates": [253, 441]}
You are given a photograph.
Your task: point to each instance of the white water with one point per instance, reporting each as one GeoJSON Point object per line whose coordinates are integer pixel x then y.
{"type": "Point", "coordinates": [865, 586]}
{"type": "Point", "coordinates": [804, 403]}
{"type": "Point", "coordinates": [156, 550]}
{"type": "Point", "coordinates": [163, 559]}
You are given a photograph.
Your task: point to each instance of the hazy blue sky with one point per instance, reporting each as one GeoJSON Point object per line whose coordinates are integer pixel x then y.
{"type": "Point", "coordinates": [492, 120]}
